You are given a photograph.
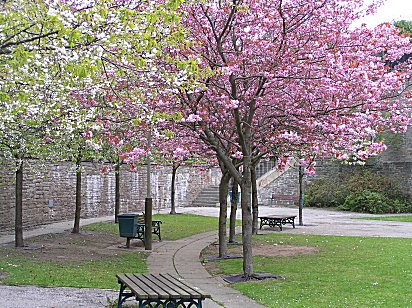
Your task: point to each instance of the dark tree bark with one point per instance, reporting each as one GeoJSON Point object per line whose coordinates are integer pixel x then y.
{"type": "Point", "coordinates": [301, 174]}
{"type": "Point", "coordinates": [255, 205]}
{"type": "Point", "coordinates": [76, 227]}
{"type": "Point", "coordinates": [223, 191]}
{"type": "Point", "coordinates": [245, 186]}
{"type": "Point", "coordinates": [173, 188]}
{"type": "Point", "coordinates": [233, 209]}
{"type": "Point", "coordinates": [18, 224]}
{"type": "Point", "coordinates": [117, 191]}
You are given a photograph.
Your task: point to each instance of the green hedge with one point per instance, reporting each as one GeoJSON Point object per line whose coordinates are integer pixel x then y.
{"type": "Point", "coordinates": [359, 192]}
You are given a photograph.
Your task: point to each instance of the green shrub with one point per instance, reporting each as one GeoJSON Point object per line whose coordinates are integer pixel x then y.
{"type": "Point", "coordinates": [321, 193]}
{"type": "Point", "coordinates": [361, 191]}
{"type": "Point", "coordinates": [367, 202]}
{"type": "Point", "coordinates": [366, 180]}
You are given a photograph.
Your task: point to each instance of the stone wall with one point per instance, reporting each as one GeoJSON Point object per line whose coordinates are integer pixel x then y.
{"type": "Point", "coordinates": [286, 184]}
{"type": "Point", "coordinates": [49, 191]}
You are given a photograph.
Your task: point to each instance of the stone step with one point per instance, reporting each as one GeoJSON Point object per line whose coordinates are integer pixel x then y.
{"type": "Point", "coordinates": [209, 196]}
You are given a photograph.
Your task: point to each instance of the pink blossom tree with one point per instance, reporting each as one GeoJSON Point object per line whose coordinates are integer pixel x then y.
{"type": "Point", "coordinates": [287, 77]}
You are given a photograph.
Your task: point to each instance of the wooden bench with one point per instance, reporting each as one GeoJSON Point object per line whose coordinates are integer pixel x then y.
{"type": "Point", "coordinates": [279, 221]}
{"type": "Point", "coordinates": [159, 290]}
{"type": "Point", "coordinates": [139, 229]}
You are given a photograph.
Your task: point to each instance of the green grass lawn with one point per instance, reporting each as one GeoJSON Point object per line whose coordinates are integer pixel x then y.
{"type": "Point", "coordinates": [390, 218]}
{"type": "Point", "coordinates": [81, 274]}
{"type": "Point", "coordinates": [345, 272]}
{"type": "Point", "coordinates": [173, 227]}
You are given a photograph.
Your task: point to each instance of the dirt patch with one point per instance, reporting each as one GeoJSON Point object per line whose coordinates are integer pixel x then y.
{"type": "Point", "coordinates": [67, 246]}
{"type": "Point", "coordinates": [266, 250]}
{"type": "Point", "coordinates": [3, 275]}
{"type": "Point", "coordinates": [282, 250]}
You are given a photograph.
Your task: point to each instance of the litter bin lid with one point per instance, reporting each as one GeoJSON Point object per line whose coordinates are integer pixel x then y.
{"type": "Point", "coordinates": [127, 215]}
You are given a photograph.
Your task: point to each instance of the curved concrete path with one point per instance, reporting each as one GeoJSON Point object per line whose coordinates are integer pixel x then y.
{"type": "Point", "coordinates": [181, 258]}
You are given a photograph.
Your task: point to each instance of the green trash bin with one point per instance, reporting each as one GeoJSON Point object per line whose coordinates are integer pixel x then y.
{"type": "Point", "coordinates": [127, 225]}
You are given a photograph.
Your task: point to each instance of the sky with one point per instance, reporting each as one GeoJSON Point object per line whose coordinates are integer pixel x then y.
{"type": "Point", "coordinates": [392, 10]}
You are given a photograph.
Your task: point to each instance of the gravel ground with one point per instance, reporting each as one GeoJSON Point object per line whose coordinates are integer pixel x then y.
{"type": "Point", "coordinates": [35, 297]}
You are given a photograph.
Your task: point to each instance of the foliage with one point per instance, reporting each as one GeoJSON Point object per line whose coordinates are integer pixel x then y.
{"type": "Point", "coordinates": [405, 26]}
{"type": "Point", "coordinates": [344, 272]}
{"type": "Point", "coordinates": [393, 141]}
{"type": "Point", "coordinates": [50, 51]}
{"type": "Point", "coordinates": [367, 202]}
{"type": "Point", "coordinates": [321, 193]}
{"type": "Point", "coordinates": [362, 191]}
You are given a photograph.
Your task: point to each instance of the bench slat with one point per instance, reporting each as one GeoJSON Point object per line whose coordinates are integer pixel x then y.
{"type": "Point", "coordinates": [151, 288]}
{"type": "Point", "coordinates": [130, 283]}
{"type": "Point", "coordinates": [195, 292]}
{"type": "Point", "coordinates": [166, 286]}
{"type": "Point", "coordinates": [151, 283]}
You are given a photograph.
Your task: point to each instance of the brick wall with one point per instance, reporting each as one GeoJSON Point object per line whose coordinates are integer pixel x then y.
{"type": "Point", "coordinates": [49, 191]}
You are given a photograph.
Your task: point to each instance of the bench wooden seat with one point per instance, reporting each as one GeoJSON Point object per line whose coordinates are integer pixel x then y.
{"type": "Point", "coordinates": [279, 221]}
{"type": "Point", "coordinates": [159, 290]}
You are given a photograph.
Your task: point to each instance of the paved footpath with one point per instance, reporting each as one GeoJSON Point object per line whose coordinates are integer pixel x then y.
{"type": "Point", "coordinates": [181, 257]}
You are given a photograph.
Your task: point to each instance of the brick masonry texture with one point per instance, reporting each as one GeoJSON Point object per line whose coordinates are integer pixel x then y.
{"type": "Point", "coordinates": [49, 191]}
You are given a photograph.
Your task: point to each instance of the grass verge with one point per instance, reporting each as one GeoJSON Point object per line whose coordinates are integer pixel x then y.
{"type": "Point", "coordinates": [345, 272]}
{"type": "Point", "coordinates": [390, 218]}
{"type": "Point", "coordinates": [80, 274]}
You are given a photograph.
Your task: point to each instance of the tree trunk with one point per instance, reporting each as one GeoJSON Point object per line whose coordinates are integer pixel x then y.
{"type": "Point", "coordinates": [301, 174]}
{"type": "Point", "coordinates": [223, 191]}
{"type": "Point", "coordinates": [255, 205]}
{"type": "Point", "coordinates": [233, 209]}
{"type": "Point", "coordinates": [117, 191]}
{"type": "Point", "coordinates": [18, 225]}
{"type": "Point", "coordinates": [76, 227]}
{"type": "Point", "coordinates": [173, 189]}
{"type": "Point", "coordinates": [247, 219]}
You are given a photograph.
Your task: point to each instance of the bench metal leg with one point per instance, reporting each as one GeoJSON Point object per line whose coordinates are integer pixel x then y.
{"type": "Point", "coordinates": [123, 295]}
